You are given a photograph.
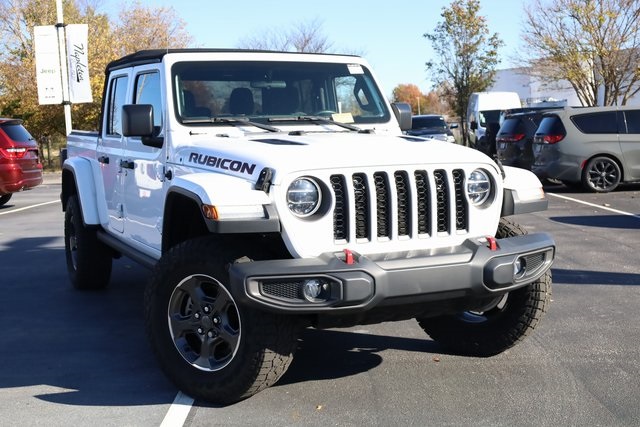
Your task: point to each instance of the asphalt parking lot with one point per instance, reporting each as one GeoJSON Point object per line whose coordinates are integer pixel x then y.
{"type": "Point", "coordinates": [81, 358]}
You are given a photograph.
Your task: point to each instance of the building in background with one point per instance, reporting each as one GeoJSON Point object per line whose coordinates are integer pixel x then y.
{"type": "Point", "coordinates": [532, 90]}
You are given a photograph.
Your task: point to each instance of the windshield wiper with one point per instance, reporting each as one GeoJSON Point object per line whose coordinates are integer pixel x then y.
{"type": "Point", "coordinates": [232, 121]}
{"type": "Point", "coordinates": [320, 119]}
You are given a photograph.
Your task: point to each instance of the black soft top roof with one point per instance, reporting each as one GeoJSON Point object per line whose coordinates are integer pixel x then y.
{"type": "Point", "coordinates": [155, 55]}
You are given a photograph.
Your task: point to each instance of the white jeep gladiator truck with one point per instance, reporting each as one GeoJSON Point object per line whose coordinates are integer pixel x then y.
{"type": "Point", "coordinates": [269, 192]}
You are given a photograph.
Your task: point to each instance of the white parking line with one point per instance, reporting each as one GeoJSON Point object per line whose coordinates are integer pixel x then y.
{"type": "Point", "coordinates": [178, 411]}
{"type": "Point", "coordinates": [594, 205]}
{"type": "Point", "coordinates": [29, 207]}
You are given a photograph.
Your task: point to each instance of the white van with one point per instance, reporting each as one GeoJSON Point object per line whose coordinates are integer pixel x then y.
{"type": "Point", "coordinates": [483, 113]}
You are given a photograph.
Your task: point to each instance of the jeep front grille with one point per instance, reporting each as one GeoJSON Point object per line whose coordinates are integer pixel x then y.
{"type": "Point", "coordinates": [399, 205]}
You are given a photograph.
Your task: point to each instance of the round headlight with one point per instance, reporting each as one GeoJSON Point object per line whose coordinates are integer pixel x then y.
{"type": "Point", "coordinates": [478, 187]}
{"type": "Point", "coordinates": [303, 197]}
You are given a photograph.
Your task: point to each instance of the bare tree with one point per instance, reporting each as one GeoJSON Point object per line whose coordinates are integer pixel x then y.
{"type": "Point", "coordinates": [305, 36]}
{"type": "Point", "coordinates": [593, 44]}
{"type": "Point", "coordinates": [467, 55]}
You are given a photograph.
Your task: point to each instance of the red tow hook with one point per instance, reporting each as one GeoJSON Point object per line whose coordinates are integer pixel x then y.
{"type": "Point", "coordinates": [492, 243]}
{"type": "Point", "coordinates": [348, 257]}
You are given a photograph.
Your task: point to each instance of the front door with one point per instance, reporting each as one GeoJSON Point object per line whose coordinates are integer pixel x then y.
{"type": "Point", "coordinates": [111, 149]}
{"type": "Point", "coordinates": [144, 180]}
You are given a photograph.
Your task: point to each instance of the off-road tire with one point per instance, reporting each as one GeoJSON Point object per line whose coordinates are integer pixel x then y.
{"type": "Point", "coordinates": [223, 353]}
{"type": "Point", "coordinates": [500, 327]}
{"type": "Point", "coordinates": [5, 198]}
{"type": "Point", "coordinates": [89, 261]}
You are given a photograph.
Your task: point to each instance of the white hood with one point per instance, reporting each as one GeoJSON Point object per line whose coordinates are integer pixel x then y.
{"type": "Point", "coordinates": [246, 156]}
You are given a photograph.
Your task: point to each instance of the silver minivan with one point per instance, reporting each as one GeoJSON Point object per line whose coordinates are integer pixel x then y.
{"type": "Point", "coordinates": [593, 147]}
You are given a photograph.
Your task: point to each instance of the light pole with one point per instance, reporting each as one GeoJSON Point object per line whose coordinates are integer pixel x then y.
{"type": "Point", "coordinates": [63, 64]}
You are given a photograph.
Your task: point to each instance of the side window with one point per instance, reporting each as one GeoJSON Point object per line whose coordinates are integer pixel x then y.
{"type": "Point", "coordinates": [633, 121]}
{"type": "Point", "coordinates": [604, 122]}
{"type": "Point", "coordinates": [117, 98]}
{"type": "Point", "coordinates": [147, 91]}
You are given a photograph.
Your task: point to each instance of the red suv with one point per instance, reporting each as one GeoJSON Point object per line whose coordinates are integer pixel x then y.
{"type": "Point", "coordinates": [20, 167]}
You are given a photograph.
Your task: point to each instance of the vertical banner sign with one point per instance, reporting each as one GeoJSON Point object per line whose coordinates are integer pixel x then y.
{"type": "Point", "coordinates": [78, 59]}
{"type": "Point", "coordinates": [48, 76]}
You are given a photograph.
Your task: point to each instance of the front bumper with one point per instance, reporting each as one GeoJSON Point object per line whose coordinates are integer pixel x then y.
{"type": "Point", "coordinates": [471, 270]}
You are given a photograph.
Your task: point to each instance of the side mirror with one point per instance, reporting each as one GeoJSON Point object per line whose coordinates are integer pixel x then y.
{"type": "Point", "coordinates": [453, 126]}
{"type": "Point", "coordinates": [137, 120]}
{"type": "Point", "coordinates": [402, 111]}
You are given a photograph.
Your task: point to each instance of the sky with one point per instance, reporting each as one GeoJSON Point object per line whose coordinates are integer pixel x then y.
{"type": "Point", "coordinates": [387, 34]}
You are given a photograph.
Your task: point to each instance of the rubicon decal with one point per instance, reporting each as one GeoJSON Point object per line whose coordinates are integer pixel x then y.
{"type": "Point", "coordinates": [222, 163]}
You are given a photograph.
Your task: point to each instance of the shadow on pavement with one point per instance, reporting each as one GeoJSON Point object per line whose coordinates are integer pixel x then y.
{"type": "Point", "coordinates": [330, 354]}
{"type": "Point", "coordinates": [602, 221]}
{"type": "Point", "coordinates": [587, 277]}
{"type": "Point", "coordinates": [89, 347]}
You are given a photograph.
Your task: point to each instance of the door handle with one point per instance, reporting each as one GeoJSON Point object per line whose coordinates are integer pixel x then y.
{"type": "Point", "coordinates": [103, 159]}
{"type": "Point", "coordinates": [127, 164]}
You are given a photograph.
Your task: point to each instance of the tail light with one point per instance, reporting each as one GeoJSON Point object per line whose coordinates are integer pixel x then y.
{"type": "Point", "coordinates": [9, 150]}
{"type": "Point", "coordinates": [13, 152]}
{"type": "Point", "coordinates": [552, 139]}
{"type": "Point", "coordinates": [548, 139]}
{"type": "Point", "coordinates": [511, 138]}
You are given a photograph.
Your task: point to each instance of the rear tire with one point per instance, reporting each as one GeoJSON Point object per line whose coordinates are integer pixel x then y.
{"type": "Point", "coordinates": [89, 261]}
{"type": "Point", "coordinates": [208, 345]}
{"type": "Point", "coordinates": [500, 323]}
{"type": "Point", "coordinates": [5, 198]}
{"type": "Point", "coordinates": [601, 175]}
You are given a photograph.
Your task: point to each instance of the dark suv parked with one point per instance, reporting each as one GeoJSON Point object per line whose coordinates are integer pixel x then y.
{"type": "Point", "coordinates": [20, 167]}
{"type": "Point", "coordinates": [433, 126]}
{"type": "Point", "coordinates": [515, 138]}
{"type": "Point", "coordinates": [595, 147]}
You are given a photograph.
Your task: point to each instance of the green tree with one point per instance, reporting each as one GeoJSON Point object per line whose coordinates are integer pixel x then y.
{"type": "Point", "coordinates": [466, 53]}
{"type": "Point", "coordinates": [593, 44]}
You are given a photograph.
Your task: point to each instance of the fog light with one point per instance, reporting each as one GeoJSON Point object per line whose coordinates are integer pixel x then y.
{"type": "Point", "coordinates": [312, 289]}
{"type": "Point", "coordinates": [519, 268]}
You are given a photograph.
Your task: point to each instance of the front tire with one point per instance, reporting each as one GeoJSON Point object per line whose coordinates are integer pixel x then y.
{"type": "Point", "coordinates": [89, 261]}
{"type": "Point", "coordinates": [211, 347]}
{"type": "Point", "coordinates": [500, 323]}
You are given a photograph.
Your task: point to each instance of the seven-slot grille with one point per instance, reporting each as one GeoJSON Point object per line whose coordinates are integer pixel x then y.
{"type": "Point", "coordinates": [399, 204]}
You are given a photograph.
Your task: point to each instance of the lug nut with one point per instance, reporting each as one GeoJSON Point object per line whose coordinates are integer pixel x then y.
{"type": "Point", "coordinates": [197, 316]}
{"type": "Point", "coordinates": [211, 334]}
{"type": "Point", "coordinates": [207, 309]}
{"type": "Point", "coordinates": [216, 320]}
{"type": "Point", "coordinates": [200, 331]}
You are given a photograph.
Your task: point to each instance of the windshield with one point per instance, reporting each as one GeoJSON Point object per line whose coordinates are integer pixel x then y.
{"type": "Point", "coordinates": [489, 116]}
{"type": "Point", "coordinates": [263, 91]}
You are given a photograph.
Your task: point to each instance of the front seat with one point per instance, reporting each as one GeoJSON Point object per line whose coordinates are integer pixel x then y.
{"type": "Point", "coordinates": [190, 107]}
{"type": "Point", "coordinates": [283, 101]}
{"type": "Point", "coordinates": [241, 101]}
